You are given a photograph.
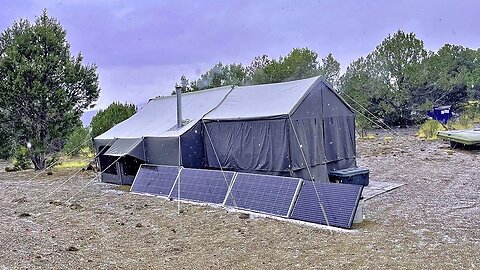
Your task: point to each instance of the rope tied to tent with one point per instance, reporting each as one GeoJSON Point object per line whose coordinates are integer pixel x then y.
{"type": "Point", "coordinates": [88, 137]}
{"type": "Point", "coordinates": [78, 171]}
{"type": "Point", "coordinates": [309, 172]}
{"type": "Point", "coordinates": [369, 119]}
{"type": "Point", "coordinates": [96, 177]}
{"type": "Point", "coordinates": [218, 160]}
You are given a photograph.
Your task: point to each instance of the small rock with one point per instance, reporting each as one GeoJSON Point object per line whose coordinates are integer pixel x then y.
{"type": "Point", "coordinates": [243, 216]}
{"type": "Point", "coordinates": [72, 248]}
{"type": "Point", "coordinates": [49, 173]}
{"type": "Point", "coordinates": [11, 169]}
{"type": "Point", "coordinates": [174, 231]}
{"type": "Point", "coordinates": [75, 206]}
{"type": "Point", "coordinates": [20, 200]}
{"type": "Point", "coordinates": [22, 215]}
{"type": "Point", "coordinates": [56, 203]}
{"type": "Point", "coordinates": [139, 225]}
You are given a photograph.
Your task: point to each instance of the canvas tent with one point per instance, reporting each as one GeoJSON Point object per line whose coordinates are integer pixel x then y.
{"type": "Point", "coordinates": [152, 136]}
{"type": "Point", "coordinates": [300, 128]}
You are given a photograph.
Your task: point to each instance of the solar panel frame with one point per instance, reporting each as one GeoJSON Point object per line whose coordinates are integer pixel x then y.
{"type": "Point", "coordinates": [340, 205]}
{"type": "Point", "coordinates": [193, 188]}
{"type": "Point", "coordinates": [294, 200]}
{"type": "Point", "coordinates": [158, 180]}
{"type": "Point", "coordinates": [224, 203]}
{"type": "Point", "coordinates": [254, 200]}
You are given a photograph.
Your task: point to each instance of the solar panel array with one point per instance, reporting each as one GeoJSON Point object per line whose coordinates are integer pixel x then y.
{"type": "Point", "coordinates": [155, 179]}
{"type": "Point", "coordinates": [263, 193]}
{"type": "Point", "coordinates": [272, 195]}
{"type": "Point", "coordinates": [339, 202]}
{"type": "Point", "coordinates": [203, 185]}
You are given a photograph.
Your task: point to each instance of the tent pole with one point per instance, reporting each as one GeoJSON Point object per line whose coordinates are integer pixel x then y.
{"type": "Point", "coordinates": [178, 181]}
{"type": "Point", "coordinates": [310, 173]}
{"type": "Point", "coordinates": [178, 91]}
{"type": "Point", "coordinates": [144, 150]}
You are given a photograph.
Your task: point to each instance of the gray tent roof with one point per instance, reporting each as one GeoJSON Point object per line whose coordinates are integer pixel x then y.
{"type": "Point", "coordinates": [260, 101]}
{"type": "Point", "coordinates": [158, 118]}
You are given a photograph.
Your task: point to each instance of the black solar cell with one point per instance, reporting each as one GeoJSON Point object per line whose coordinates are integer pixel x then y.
{"type": "Point", "coordinates": [155, 179]}
{"type": "Point", "coordinates": [339, 201]}
{"type": "Point", "coordinates": [263, 193]}
{"type": "Point", "coordinates": [203, 185]}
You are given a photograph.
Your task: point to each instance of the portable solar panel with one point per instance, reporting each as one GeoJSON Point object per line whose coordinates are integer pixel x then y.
{"type": "Point", "coordinates": [155, 179]}
{"type": "Point", "coordinates": [340, 202]}
{"type": "Point", "coordinates": [267, 194]}
{"type": "Point", "coordinates": [200, 185]}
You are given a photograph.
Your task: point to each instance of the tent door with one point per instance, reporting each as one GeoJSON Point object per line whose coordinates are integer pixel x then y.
{"type": "Point", "coordinates": [128, 167]}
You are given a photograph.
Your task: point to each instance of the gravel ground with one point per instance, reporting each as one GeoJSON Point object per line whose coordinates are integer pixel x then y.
{"type": "Point", "coordinates": [430, 223]}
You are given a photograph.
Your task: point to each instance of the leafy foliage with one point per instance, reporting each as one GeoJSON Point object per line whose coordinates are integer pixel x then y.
{"type": "Point", "coordinates": [112, 115]}
{"type": "Point", "coordinates": [6, 145]}
{"type": "Point", "coordinates": [43, 89]}
{"type": "Point", "coordinates": [399, 81]}
{"type": "Point", "coordinates": [383, 81]}
{"type": "Point", "coordinates": [395, 84]}
{"type": "Point", "coordinates": [21, 158]}
{"type": "Point", "coordinates": [77, 141]}
{"type": "Point", "coordinates": [429, 129]}
{"type": "Point", "coordinates": [300, 63]}
{"type": "Point", "coordinates": [449, 76]}
{"type": "Point", "coordinates": [330, 70]}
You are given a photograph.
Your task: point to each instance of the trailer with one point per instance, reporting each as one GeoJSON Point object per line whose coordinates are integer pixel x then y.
{"type": "Point", "coordinates": [458, 138]}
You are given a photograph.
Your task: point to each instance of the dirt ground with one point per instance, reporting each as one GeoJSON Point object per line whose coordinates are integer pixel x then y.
{"type": "Point", "coordinates": [430, 223]}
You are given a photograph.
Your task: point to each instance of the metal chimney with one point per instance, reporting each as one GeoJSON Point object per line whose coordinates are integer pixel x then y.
{"type": "Point", "coordinates": [178, 91]}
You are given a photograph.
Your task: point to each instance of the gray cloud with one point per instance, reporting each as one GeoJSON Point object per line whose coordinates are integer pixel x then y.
{"type": "Point", "coordinates": [143, 47]}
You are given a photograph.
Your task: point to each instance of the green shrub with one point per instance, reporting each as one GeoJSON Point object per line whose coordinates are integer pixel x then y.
{"type": "Point", "coordinates": [74, 146]}
{"type": "Point", "coordinates": [112, 115]}
{"type": "Point", "coordinates": [472, 112]}
{"type": "Point", "coordinates": [469, 116]}
{"type": "Point", "coordinates": [21, 158]}
{"type": "Point", "coordinates": [429, 129]}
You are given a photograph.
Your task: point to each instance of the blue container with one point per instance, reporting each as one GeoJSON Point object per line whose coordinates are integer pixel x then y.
{"type": "Point", "coordinates": [441, 114]}
{"type": "Point", "coordinates": [356, 176]}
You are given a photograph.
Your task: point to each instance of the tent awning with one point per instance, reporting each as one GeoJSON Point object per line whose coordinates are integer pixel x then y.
{"type": "Point", "coordinates": [122, 147]}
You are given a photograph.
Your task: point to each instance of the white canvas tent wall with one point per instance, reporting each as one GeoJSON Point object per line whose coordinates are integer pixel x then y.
{"type": "Point", "coordinates": [155, 125]}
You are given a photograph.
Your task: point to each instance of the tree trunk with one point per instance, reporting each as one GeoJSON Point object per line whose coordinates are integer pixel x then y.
{"type": "Point", "coordinates": [38, 161]}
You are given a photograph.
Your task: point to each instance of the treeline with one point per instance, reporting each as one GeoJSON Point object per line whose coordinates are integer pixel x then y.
{"type": "Point", "coordinates": [298, 64]}
{"type": "Point", "coordinates": [397, 82]}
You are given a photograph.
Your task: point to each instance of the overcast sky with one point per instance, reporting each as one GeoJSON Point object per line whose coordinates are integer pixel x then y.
{"type": "Point", "coordinates": [143, 47]}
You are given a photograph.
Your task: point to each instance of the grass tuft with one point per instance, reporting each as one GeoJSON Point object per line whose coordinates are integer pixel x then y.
{"type": "Point", "coordinates": [429, 129]}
